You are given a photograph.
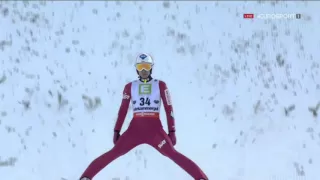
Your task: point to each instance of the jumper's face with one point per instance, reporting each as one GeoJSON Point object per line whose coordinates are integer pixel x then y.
{"type": "Point", "coordinates": [144, 74]}
{"type": "Point", "coordinates": [144, 69]}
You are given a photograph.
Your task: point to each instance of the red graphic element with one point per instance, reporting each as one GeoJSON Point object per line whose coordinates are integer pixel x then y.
{"type": "Point", "coordinates": [248, 16]}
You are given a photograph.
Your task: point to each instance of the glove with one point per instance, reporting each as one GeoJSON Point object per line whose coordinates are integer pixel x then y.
{"type": "Point", "coordinates": [116, 136]}
{"type": "Point", "coordinates": [172, 135]}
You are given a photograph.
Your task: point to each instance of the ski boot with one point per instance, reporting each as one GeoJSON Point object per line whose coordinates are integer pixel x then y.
{"type": "Point", "coordinates": [85, 178]}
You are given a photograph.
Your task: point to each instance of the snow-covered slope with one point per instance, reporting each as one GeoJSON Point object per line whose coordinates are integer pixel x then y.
{"type": "Point", "coordinates": [241, 88]}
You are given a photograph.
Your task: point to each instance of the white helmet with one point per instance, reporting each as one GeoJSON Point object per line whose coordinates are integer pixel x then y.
{"type": "Point", "coordinates": [144, 58]}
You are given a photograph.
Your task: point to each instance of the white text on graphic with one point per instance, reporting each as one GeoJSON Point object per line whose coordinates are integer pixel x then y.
{"type": "Point", "coordinates": [276, 16]}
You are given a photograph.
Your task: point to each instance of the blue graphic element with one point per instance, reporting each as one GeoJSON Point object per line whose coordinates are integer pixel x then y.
{"type": "Point", "coordinates": [143, 56]}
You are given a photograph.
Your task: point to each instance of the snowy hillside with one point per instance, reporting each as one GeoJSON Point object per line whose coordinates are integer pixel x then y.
{"type": "Point", "coordinates": [246, 92]}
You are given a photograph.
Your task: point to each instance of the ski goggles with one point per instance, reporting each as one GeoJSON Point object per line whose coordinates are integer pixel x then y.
{"type": "Point", "coordinates": [144, 66]}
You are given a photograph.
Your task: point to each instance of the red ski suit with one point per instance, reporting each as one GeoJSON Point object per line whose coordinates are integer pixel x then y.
{"type": "Point", "coordinates": [145, 128]}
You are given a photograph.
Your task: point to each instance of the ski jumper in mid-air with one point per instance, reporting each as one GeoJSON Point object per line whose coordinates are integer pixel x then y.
{"type": "Point", "coordinates": [146, 95]}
